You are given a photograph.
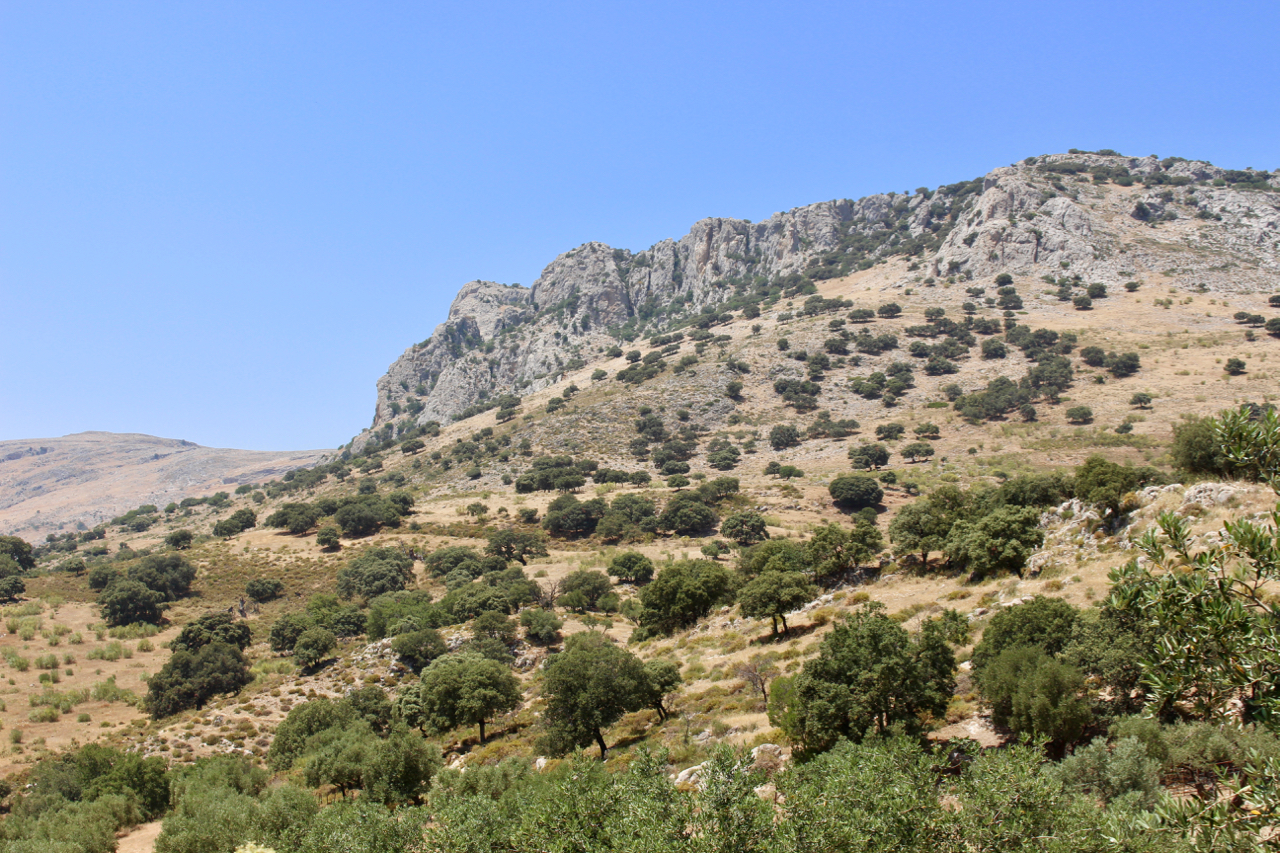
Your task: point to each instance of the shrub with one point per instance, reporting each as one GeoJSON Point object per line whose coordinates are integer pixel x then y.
{"type": "Point", "coordinates": [783, 436]}
{"type": "Point", "coordinates": [1235, 366]}
{"type": "Point", "coordinates": [179, 540]}
{"type": "Point", "coordinates": [1079, 414]}
{"type": "Point", "coordinates": [189, 680]}
{"type": "Point", "coordinates": [744, 528]}
{"type": "Point", "coordinates": [313, 646]}
{"type": "Point", "coordinates": [263, 589]}
{"type": "Point", "coordinates": [855, 491]}
{"type": "Point", "coordinates": [1125, 364]}
{"type": "Point", "coordinates": [297, 518]}
{"type": "Point", "coordinates": [419, 648]}
{"type": "Point", "coordinates": [1047, 624]}
{"type": "Point", "coordinates": [591, 585]}
{"type": "Point", "coordinates": [168, 574]}
{"type": "Point", "coordinates": [125, 602]}
{"type": "Point", "coordinates": [541, 626]}
{"type": "Point", "coordinates": [632, 567]}
{"type": "Point", "coordinates": [685, 514]}
{"type": "Point", "coordinates": [375, 571]}
{"type": "Point", "coordinates": [329, 538]}
{"type": "Point", "coordinates": [1031, 693]}
{"type": "Point", "coordinates": [213, 627]}
{"type": "Point", "coordinates": [890, 431]}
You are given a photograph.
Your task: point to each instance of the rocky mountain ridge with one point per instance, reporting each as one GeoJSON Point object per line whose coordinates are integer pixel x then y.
{"type": "Point", "coordinates": [1101, 216]}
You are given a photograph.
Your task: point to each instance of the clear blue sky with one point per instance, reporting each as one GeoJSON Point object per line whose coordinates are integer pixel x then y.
{"type": "Point", "coordinates": [221, 221]}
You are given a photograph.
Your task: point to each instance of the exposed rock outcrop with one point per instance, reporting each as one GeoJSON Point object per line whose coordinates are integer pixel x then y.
{"type": "Point", "coordinates": [1037, 218]}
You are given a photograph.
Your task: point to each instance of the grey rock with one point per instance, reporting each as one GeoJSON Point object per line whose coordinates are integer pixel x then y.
{"type": "Point", "coordinates": [500, 339]}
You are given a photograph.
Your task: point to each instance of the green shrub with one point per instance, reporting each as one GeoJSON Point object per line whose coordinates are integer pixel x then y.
{"type": "Point", "coordinates": [264, 589]}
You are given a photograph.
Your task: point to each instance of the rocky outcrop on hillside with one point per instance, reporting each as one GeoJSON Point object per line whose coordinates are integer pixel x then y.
{"type": "Point", "coordinates": [1100, 216]}
{"type": "Point", "coordinates": [51, 484]}
{"type": "Point", "coordinates": [1034, 220]}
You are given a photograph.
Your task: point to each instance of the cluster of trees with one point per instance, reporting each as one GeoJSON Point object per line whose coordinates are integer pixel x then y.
{"type": "Point", "coordinates": [870, 677]}
{"type": "Point", "coordinates": [77, 801]}
{"type": "Point", "coordinates": [673, 449]}
{"type": "Point", "coordinates": [884, 794]}
{"type": "Point", "coordinates": [986, 531]}
{"type": "Point", "coordinates": [355, 515]}
{"type": "Point", "coordinates": [889, 793]}
{"type": "Point", "coordinates": [355, 743]}
{"type": "Point", "coordinates": [140, 594]}
{"type": "Point", "coordinates": [1119, 365]}
{"type": "Point", "coordinates": [1035, 659]}
{"type": "Point", "coordinates": [208, 659]}
{"type": "Point", "coordinates": [629, 516]}
{"type": "Point", "coordinates": [564, 474]}
{"type": "Point", "coordinates": [240, 521]}
{"type": "Point", "coordinates": [16, 558]}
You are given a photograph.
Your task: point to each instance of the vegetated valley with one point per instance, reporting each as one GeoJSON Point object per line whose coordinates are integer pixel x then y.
{"type": "Point", "coordinates": [926, 521]}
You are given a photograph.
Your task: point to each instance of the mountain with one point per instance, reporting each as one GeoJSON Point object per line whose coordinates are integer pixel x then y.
{"type": "Point", "coordinates": [47, 484]}
{"type": "Point", "coordinates": [1101, 216]}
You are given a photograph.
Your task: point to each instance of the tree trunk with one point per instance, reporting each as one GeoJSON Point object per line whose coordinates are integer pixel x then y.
{"type": "Point", "coordinates": [783, 617]}
{"type": "Point", "coordinates": [482, 731]}
{"type": "Point", "coordinates": [600, 740]}
{"type": "Point", "coordinates": [775, 625]}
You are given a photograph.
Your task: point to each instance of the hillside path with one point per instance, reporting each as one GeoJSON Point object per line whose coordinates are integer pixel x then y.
{"type": "Point", "coordinates": [141, 840]}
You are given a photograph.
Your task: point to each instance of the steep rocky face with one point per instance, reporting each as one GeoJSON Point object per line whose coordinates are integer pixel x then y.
{"type": "Point", "coordinates": [1092, 215]}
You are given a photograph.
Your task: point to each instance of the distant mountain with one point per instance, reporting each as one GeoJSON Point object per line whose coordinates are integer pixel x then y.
{"type": "Point", "coordinates": [1101, 216]}
{"type": "Point", "coordinates": [51, 484]}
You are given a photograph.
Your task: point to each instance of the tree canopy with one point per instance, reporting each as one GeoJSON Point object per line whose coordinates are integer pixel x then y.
{"type": "Point", "coordinates": [456, 690]}
{"type": "Point", "coordinates": [869, 675]}
{"type": "Point", "coordinates": [374, 572]}
{"type": "Point", "coordinates": [681, 594]}
{"type": "Point", "coordinates": [589, 686]}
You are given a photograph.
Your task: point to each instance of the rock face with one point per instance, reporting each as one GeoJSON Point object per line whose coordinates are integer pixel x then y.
{"type": "Point", "coordinates": [1035, 218]}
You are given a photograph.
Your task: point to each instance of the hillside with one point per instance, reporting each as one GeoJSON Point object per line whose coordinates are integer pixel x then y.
{"type": "Point", "coordinates": [79, 481]}
{"type": "Point", "coordinates": [1008, 360]}
{"type": "Point", "coordinates": [1091, 217]}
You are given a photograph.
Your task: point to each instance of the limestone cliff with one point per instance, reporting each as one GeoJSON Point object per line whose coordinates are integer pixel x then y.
{"type": "Point", "coordinates": [1046, 216]}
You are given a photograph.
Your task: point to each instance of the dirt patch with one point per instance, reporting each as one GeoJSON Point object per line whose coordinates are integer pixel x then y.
{"type": "Point", "coordinates": [62, 640]}
{"type": "Point", "coordinates": [140, 839]}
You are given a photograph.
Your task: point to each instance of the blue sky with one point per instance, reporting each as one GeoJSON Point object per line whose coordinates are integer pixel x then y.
{"type": "Point", "coordinates": [222, 221]}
